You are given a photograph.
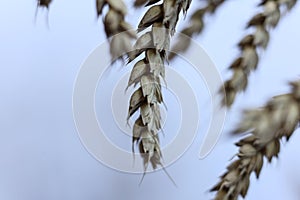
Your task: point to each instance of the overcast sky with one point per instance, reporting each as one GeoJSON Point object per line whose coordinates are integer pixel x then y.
{"type": "Point", "coordinates": [41, 155]}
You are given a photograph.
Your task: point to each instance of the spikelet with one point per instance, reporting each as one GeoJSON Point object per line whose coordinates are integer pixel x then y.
{"type": "Point", "coordinates": [249, 45]}
{"type": "Point", "coordinates": [268, 125]}
{"type": "Point", "coordinates": [154, 14]}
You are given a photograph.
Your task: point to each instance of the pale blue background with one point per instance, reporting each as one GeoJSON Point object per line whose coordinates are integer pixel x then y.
{"type": "Point", "coordinates": [41, 156]}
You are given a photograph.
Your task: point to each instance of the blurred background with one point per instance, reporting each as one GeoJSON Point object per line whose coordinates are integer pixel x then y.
{"type": "Point", "coordinates": [41, 156]}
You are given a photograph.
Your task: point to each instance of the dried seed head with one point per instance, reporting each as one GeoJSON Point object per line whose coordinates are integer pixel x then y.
{"type": "Point", "coordinates": [249, 45]}
{"type": "Point", "coordinates": [148, 72]}
{"type": "Point", "coordinates": [277, 119]}
{"type": "Point", "coordinates": [114, 24]}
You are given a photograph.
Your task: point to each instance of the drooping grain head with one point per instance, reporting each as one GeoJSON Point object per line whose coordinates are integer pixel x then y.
{"type": "Point", "coordinates": [267, 125]}
{"type": "Point", "coordinates": [250, 44]}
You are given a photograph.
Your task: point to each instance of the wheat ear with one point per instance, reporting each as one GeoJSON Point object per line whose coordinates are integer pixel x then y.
{"type": "Point", "coordinates": [148, 73]}
{"type": "Point", "coordinates": [119, 32]}
{"type": "Point", "coordinates": [268, 125]}
{"type": "Point", "coordinates": [195, 26]}
{"type": "Point", "coordinates": [249, 45]}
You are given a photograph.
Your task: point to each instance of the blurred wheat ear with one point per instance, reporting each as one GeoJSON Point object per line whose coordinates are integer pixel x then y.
{"type": "Point", "coordinates": [195, 26]}
{"type": "Point", "coordinates": [118, 31]}
{"type": "Point", "coordinates": [248, 59]}
{"type": "Point", "coordinates": [268, 125]}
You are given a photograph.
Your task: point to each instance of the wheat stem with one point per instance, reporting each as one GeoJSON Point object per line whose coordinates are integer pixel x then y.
{"type": "Point", "coordinates": [268, 125]}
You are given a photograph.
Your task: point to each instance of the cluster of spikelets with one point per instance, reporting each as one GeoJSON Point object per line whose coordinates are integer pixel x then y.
{"type": "Point", "coordinates": [195, 26]}
{"type": "Point", "coordinates": [159, 23]}
{"type": "Point", "coordinates": [267, 125]}
{"type": "Point", "coordinates": [251, 43]}
{"type": "Point", "coordinates": [118, 31]}
{"type": "Point", "coordinates": [147, 72]}
{"type": "Point", "coordinates": [277, 119]}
